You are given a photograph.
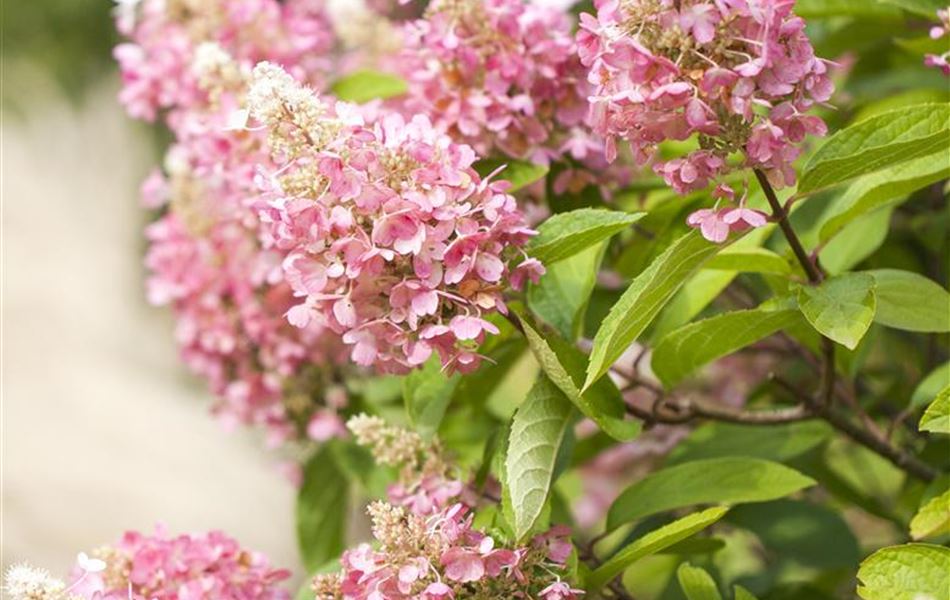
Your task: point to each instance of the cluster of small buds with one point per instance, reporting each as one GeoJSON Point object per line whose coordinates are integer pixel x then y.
{"type": "Point", "coordinates": [442, 557]}
{"type": "Point", "coordinates": [157, 63]}
{"type": "Point", "coordinates": [156, 567]}
{"type": "Point", "coordinates": [499, 75]}
{"type": "Point", "coordinates": [737, 74]}
{"type": "Point", "coordinates": [940, 61]}
{"type": "Point", "coordinates": [392, 239]}
{"type": "Point", "coordinates": [426, 484]}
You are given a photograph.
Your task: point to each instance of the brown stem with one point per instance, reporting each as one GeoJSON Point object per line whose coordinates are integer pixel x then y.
{"type": "Point", "coordinates": [781, 217]}
{"type": "Point", "coordinates": [897, 456]}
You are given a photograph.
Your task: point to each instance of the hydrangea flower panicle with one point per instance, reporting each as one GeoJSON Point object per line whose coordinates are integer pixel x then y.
{"type": "Point", "coordinates": [498, 75]}
{"type": "Point", "coordinates": [739, 76]}
{"type": "Point", "coordinates": [392, 239]}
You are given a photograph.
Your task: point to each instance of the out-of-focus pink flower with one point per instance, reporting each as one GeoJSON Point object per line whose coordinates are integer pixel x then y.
{"type": "Point", "coordinates": [162, 566]}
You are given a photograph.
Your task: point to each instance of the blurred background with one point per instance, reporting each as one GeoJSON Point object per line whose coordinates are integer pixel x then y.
{"type": "Point", "coordinates": [102, 428]}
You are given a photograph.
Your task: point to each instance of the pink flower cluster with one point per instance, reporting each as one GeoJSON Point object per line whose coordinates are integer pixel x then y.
{"type": "Point", "coordinates": [162, 566]}
{"type": "Point", "coordinates": [940, 61]}
{"type": "Point", "coordinates": [393, 240]}
{"type": "Point", "coordinates": [157, 64]}
{"type": "Point", "coordinates": [498, 75]}
{"type": "Point", "coordinates": [428, 548]}
{"type": "Point", "coordinates": [739, 75]}
{"type": "Point", "coordinates": [443, 557]}
{"type": "Point", "coordinates": [205, 260]}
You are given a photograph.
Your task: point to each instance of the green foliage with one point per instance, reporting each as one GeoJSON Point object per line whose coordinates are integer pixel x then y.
{"type": "Point", "coordinates": [888, 186]}
{"type": "Point", "coordinates": [908, 572]}
{"type": "Point", "coordinates": [750, 260]}
{"type": "Point", "coordinates": [937, 416]}
{"type": "Point", "coordinates": [519, 173]}
{"type": "Point", "coordinates": [321, 510]}
{"type": "Point", "coordinates": [698, 343]}
{"type": "Point", "coordinates": [909, 301]}
{"type": "Point", "coordinates": [566, 234]}
{"type": "Point", "coordinates": [924, 8]}
{"type": "Point", "coordinates": [654, 542]}
{"type": "Point", "coordinates": [427, 392]}
{"type": "Point", "coordinates": [696, 583]}
{"type": "Point", "coordinates": [805, 533]}
{"type": "Point", "coordinates": [537, 433]}
{"type": "Point", "coordinates": [561, 297]}
{"type": "Point", "coordinates": [933, 517]}
{"type": "Point", "coordinates": [779, 443]}
{"type": "Point", "coordinates": [728, 480]}
{"type": "Point", "coordinates": [841, 308]}
{"type": "Point", "coordinates": [563, 364]}
{"type": "Point", "coordinates": [881, 141]}
{"type": "Point", "coordinates": [363, 86]}
{"type": "Point", "coordinates": [645, 297]}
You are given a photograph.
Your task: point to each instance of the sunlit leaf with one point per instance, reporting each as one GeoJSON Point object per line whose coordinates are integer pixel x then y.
{"type": "Point", "coordinates": [537, 432]}
{"type": "Point", "coordinates": [936, 418]}
{"type": "Point", "coordinates": [566, 234]}
{"type": "Point", "coordinates": [841, 308]}
{"type": "Point", "coordinates": [881, 141]}
{"type": "Point", "coordinates": [908, 572]}
{"type": "Point", "coordinates": [729, 480]}
{"type": "Point", "coordinates": [644, 299]}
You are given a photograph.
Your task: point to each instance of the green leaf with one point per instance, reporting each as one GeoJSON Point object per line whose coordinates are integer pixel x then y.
{"type": "Point", "coordinates": [427, 393]}
{"type": "Point", "coordinates": [564, 365]}
{"type": "Point", "coordinates": [779, 443]}
{"type": "Point", "coordinates": [749, 260]}
{"type": "Point", "coordinates": [363, 86]}
{"type": "Point", "coordinates": [537, 432]}
{"type": "Point", "coordinates": [841, 308]}
{"type": "Point", "coordinates": [936, 418]}
{"type": "Point", "coordinates": [728, 480]}
{"type": "Point", "coordinates": [321, 510]}
{"type": "Point", "coordinates": [811, 535]}
{"type": "Point", "coordinates": [654, 542]}
{"type": "Point", "coordinates": [931, 385]}
{"type": "Point", "coordinates": [697, 584]}
{"type": "Point", "coordinates": [645, 297]}
{"type": "Point", "coordinates": [691, 299]}
{"type": "Point", "coordinates": [924, 8]}
{"type": "Point", "coordinates": [856, 242]}
{"type": "Point", "coordinates": [909, 301]}
{"type": "Point", "coordinates": [933, 517]}
{"type": "Point", "coordinates": [885, 187]}
{"type": "Point", "coordinates": [822, 9]}
{"type": "Point", "coordinates": [561, 297]}
{"type": "Point", "coordinates": [908, 572]}
{"type": "Point", "coordinates": [519, 173]}
{"type": "Point", "coordinates": [566, 234]}
{"type": "Point", "coordinates": [881, 141]}
{"type": "Point", "coordinates": [688, 348]}
{"type": "Point", "coordinates": [740, 593]}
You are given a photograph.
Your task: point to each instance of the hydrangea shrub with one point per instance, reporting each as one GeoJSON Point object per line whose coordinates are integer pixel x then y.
{"type": "Point", "coordinates": [555, 300]}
